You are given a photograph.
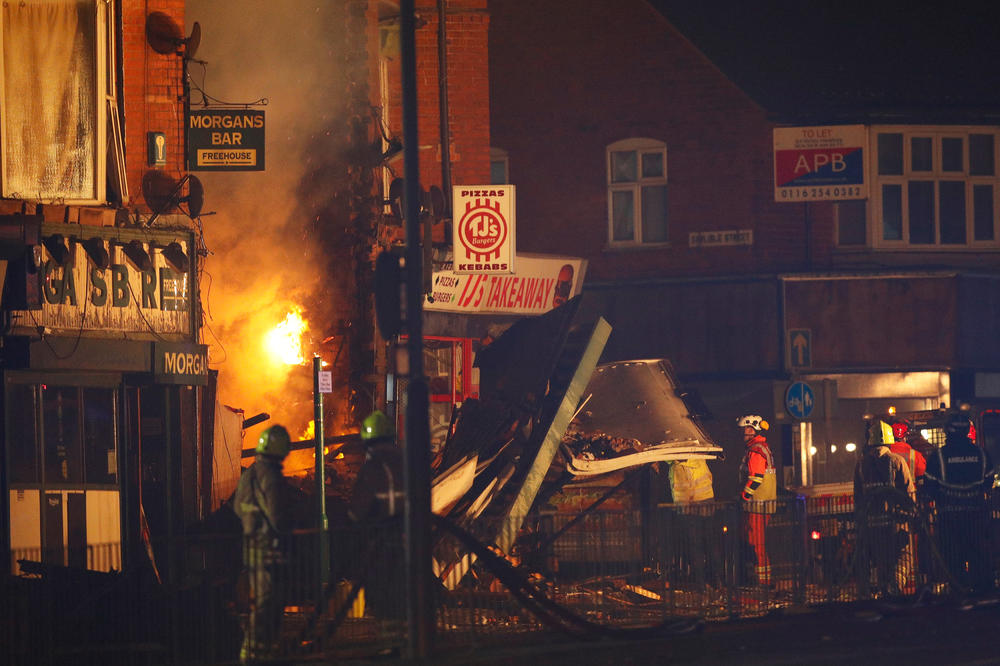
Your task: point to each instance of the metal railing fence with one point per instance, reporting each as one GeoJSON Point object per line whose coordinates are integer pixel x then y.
{"type": "Point", "coordinates": [602, 571]}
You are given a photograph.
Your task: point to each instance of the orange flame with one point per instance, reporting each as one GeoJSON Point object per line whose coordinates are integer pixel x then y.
{"type": "Point", "coordinates": [284, 341]}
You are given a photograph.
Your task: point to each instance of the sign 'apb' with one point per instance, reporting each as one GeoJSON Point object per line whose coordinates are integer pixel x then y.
{"type": "Point", "coordinates": [483, 229]}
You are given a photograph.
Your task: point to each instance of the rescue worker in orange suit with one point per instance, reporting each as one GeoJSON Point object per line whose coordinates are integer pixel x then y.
{"type": "Point", "coordinates": [883, 505]}
{"type": "Point", "coordinates": [959, 475]}
{"type": "Point", "coordinates": [262, 502]}
{"type": "Point", "coordinates": [914, 459]}
{"type": "Point", "coordinates": [760, 490]}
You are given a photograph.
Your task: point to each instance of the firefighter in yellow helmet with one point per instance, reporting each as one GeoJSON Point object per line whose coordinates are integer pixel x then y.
{"type": "Point", "coordinates": [261, 502]}
{"type": "Point", "coordinates": [883, 503]}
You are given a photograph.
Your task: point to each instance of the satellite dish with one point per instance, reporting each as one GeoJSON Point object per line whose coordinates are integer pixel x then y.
{"type": "Point", "coordinates": [195, 198]}
{"type": "Point", "coordinates": [435, 199]}
{"type": "Point", "coordinates": [192, 42]}
{"type": "Point", "coordinates": [158, 190]}
{"type": "Point", "coordinates": [163, 194]}
{"type": "Point", "coordinates": [164, 35]}
{"type": "Point", "coordinates": [396, 189]}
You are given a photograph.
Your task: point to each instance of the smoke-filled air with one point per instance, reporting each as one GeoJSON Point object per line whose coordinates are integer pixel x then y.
{"type": "Point", "coordinates": [265, 289]}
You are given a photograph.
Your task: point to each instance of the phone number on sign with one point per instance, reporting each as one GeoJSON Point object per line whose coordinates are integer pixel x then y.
{"type": "Point", "coordinates": [840, 192]}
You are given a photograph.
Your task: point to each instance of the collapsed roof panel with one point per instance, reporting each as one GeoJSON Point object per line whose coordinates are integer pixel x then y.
{"type": "Point", "coordinates": [638, 400]}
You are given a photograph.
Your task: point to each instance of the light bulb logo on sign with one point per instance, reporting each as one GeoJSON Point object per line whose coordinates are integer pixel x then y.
{"type": "Point", "coordinates": [483, 228]}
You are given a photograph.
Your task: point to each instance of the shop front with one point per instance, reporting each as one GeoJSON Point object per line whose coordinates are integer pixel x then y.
{"type": "Point", "coordinates": [105, 390]}
{"type": "Point", "coordinates": [463, 312]}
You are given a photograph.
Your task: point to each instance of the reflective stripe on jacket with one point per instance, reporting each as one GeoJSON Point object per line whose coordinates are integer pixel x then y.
{"type": "Point", "coordinates": [760, 484]}
{"type": "Point", "coordinates": [691, 481]}
{"type": "Point", "coordinates": [260, 502]}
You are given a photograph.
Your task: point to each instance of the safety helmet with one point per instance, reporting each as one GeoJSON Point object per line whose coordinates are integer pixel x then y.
{"type": "Point", "coordinates": [274, 442]}
{"type": "Point", "coordinates": [881, 434]}
{"type": "Point", "coordinates": [899, 430]}
{"type": "Point", "coordinates": [754, 421]}
{"type": "Point", "coordinates": [376, 426]}
{"type": "Point", "coordinates": [958, 423]}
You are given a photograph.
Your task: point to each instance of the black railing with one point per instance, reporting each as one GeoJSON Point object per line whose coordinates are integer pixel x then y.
{"type": "Point", "coordinates": [603, 571]}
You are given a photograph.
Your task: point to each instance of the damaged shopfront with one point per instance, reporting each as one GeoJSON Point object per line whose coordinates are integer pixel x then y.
{"type": "Point", "coordinates": [106, 399]}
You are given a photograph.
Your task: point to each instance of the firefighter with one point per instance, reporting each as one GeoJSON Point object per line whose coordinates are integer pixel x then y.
{"type": "Point", "coordinates": [694, 547]}
{"type": "Point", "coordinates": [376, 507]}
{"type": "Point", "coordinates": [958, 477]}
{"type": "Point", "coordinates": [760, 490]}
{"type": "Point", "coordinates": [261, 502]}
{"type": "Point", "coordinates": [378, 492]}
{"type": "Point", "coordinates": [883, 504]}
{"type": "Point", "coordinates": [914, 459]}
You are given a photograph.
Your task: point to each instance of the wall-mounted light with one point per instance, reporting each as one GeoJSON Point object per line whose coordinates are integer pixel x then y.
{"type": "Point", "coordinates": [135, 251]}
{"type": "Point", "coordinates": [174, 254]}
{"type": "Point", "coordinates": [97, 252]}
{"type": "Point", "coordinates": [56, 246]}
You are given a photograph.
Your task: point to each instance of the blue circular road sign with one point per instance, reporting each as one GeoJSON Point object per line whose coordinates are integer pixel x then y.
{"type": "Point", "coordinates": [799, 400]}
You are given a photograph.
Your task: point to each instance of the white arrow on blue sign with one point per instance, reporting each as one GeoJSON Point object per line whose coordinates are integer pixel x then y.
{"type": "Point", "coordinates": [799, 400]}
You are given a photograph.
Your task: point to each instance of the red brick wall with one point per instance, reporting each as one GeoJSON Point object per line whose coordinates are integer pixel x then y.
{"type": "Point", "coordinates": [566, 83]}
{"type": "Point", "coordinates": [152, 91]}
{"type": "Point", "coordinates": [468, 93]}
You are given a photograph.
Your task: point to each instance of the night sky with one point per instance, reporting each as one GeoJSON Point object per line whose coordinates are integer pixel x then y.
{"type": "Point", "coordinates": [892, 52]}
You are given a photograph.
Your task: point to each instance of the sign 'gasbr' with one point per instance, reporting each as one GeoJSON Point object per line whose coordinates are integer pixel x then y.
{"type": "Point", "coordinates": [483, 229]}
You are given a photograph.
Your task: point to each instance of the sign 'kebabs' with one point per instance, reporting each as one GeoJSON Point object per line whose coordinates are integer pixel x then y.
{"type": "Point", "coordinates": [483, 229]}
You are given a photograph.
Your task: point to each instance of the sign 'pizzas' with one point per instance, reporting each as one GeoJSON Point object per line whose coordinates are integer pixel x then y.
{"type": "Point", "coordinates": [483, 228]}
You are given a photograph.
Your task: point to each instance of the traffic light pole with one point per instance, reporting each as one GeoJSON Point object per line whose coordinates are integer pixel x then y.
{"type": "Point", "coordinates": [420, 614]}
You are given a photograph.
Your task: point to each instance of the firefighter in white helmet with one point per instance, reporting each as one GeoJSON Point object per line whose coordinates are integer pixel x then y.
{"type": "Point", "coordinates": [759, 492]}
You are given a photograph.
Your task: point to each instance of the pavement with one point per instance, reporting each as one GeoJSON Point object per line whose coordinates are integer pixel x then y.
{"type": "Point", "coordinates": [941, 632]}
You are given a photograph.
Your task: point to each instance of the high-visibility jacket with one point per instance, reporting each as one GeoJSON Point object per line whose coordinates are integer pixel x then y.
{"type": "Point", "coordinates": [758, 475]}
{"type": "Point", "coordinates": [958, 473]}
{"type": "Point", "coordinates": [261, 502]}
{"type": "Point", "coordinates": [379, 492]}
{"type": "Point", "coordinates": [915, 459]}
{"type": "Point", "coordinates": [691, 481]}
{"type": "Point", "coordinates": [878, 473]}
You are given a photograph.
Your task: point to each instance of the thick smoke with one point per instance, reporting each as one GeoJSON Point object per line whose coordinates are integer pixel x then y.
{"type": "Point", "coordinates": [267, 254]}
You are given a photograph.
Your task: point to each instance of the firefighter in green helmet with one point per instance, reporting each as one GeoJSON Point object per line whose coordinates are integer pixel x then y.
{"type": "Point", "coordinates": [376, 508]}
{"type": "Point", "coordinates": [261, 502]}
{"type": "Point", "coordinates": [378, 493]}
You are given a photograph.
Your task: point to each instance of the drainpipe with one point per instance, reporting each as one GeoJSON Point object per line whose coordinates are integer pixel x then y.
{"type": "Point", "coordinates": [442, 10]}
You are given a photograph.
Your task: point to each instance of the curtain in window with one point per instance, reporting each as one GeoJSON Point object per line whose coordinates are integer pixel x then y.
{"type": "Point", "coordinates": [50, 98]}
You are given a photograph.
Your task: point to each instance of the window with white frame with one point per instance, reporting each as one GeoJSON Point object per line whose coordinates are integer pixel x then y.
{"type": "Point", "coordinates": [637, 192]}
{"type": "Point", "coordinates": [55, 97]}
{"type": "Point", "coordinates": [935, 187]}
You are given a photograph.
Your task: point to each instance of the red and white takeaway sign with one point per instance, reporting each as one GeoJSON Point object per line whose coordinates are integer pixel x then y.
{"type": "Point", "coordinates": [483, 229]}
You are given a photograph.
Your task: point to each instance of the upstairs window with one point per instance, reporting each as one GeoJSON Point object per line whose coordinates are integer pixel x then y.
{"type": "Point", "coordinates": [55, 99]}
{"type": "Point", "coordinates": [637, 192]}
{"type": "Point", "coordinates": [935, 187]}
{"type": "Point", "coordinates": [499, 167]}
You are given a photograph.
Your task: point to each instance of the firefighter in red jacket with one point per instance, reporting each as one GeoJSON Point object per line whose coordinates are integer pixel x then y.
{"type": "Point", "coordinates": [760, 490]}
{"type": "Point", "coordinates": [915, 459]}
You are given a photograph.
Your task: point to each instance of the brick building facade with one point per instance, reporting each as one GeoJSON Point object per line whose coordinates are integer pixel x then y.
{"type": "Point", "coordinates": [107, 395]}
{"type": "Point", "coordinates": [632, 148]}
